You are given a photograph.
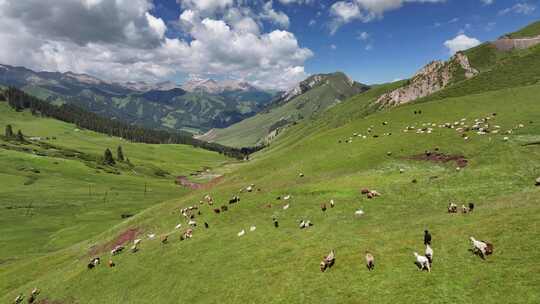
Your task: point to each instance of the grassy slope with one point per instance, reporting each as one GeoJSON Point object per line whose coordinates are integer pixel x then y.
{"type": "Point", "coordinates": [531, 30]}
{"type": "Point", "coordinates": [249, 131]}
{"type": "Point", "coordinates": [281, 265]}
{"type": "Point", "coordinates": [71, 200]}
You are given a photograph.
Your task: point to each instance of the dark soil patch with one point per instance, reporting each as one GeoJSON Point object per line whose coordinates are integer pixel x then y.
{"type": "Point", "coordinates": [124, 237]}
{"type": "Point", "coordinates": [460, 160]}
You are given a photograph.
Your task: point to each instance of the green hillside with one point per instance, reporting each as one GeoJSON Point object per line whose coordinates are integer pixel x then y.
{"type": "Point", "coordinates": [531, 30]}
{"type": "Point", "coordinates": [280, 265]}
{"type": "Point", "coordinates": [56, 193]}
{"type": "Point", "coordinates": [261, 128]}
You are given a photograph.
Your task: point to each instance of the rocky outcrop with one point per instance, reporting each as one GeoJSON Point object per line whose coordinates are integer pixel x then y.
{"type": "Point", "coordinates": [431, 78]}
{"type": "Point", "coordinates": [506, 43]}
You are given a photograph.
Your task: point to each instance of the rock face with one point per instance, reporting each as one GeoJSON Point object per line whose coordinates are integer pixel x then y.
{"type": "Point", "coordinates": [431, 78]}
{"type": "Point", "coordinates": [506, 44]}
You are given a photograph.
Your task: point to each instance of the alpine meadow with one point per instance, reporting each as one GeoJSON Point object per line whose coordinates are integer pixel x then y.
{"type": "Point", "coordinates": [287, 151]}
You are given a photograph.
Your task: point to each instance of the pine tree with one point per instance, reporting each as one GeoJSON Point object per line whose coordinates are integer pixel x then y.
{"type": "Point", "coordinates": [20, 136]}
{"type": "Point", "coordinates": [9, 131]}
{"type": "Point", "coordinates": [119, 154]}
{"type": "Point", "coordinates": [108, 158]}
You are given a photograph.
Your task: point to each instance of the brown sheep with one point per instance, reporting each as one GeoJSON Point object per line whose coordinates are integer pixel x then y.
{"type": "Point", "coordinates": [323, 207]}
{"type": "Point", "coordinates": [217, 210]}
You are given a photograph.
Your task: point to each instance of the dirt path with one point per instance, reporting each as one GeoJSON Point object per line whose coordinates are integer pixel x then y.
{"type": "Point", "coordinates": [184, 182]}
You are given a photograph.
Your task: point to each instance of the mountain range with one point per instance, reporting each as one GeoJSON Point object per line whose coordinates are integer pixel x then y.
{"type": "Point", "coordinates": [196, 106]}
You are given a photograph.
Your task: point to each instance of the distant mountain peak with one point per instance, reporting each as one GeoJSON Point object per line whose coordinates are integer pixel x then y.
{"type": "Point", "coordinates": [212, 86]}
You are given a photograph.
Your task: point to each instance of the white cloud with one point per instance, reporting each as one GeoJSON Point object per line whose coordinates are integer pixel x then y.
{"type": "Point", "coordinates": [460, 42]}
{"type": "Point", "coordinates": [333, 47]}
{"type": "Point", "coordinates": [519, 8]}
{"type": "Point", "coordinates": [487, 2]}
{"type": "Point", "coordinates": [343, 12]}
{"type": "Point", "coordinates": [278, 18]}
{"type": "Point", "coordinates": [363, 36]}
{"type": "Point", "coordinates": [296, 1]}
{"type": "Point", "coordinates": [122, 40]}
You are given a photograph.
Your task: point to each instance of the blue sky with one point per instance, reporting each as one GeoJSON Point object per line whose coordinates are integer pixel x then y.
{"type": "Point", "coordinates": [273, 44]}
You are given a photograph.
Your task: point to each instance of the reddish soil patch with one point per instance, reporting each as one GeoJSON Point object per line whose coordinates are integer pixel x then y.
{"type": "Point", "coordinates": [460, 160]}
{"type": "Point", "coordinates": [126, 236]}
{"type": "Point", "coordinates": [184, 182]}
{"type": "Point", "coordinates": [47, 301]}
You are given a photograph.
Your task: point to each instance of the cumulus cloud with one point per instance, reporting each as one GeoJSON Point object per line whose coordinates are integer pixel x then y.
{"type": "Point", "coordinates": [343, 12]}
{"type": "Point", "coordinates": [122, 40]}
{"type": "Point", "coordinates": [274, 16]}
{"type": "Point", "coordinates": [460, 42]}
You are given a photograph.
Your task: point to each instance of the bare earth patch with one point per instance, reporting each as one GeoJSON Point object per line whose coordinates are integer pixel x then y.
{"type": "Point", "coordinates": [460, 160]}
{"type": "Point", "coordinates": [126, 236]}
{"type": "Point", "coordinates": [184, 182]}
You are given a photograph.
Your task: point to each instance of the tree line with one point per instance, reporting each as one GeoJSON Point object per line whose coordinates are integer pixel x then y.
{"type": "Point", "coordinates": [19, 100]}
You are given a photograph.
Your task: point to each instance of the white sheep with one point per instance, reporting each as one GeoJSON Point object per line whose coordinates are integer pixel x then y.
{"type": "Point", "coordinates": [252, 228]}
{"type": "Point", "coordinates": [136, 242]}
{"type": "Point", "coordinates": [429, 253]}
{"type": "Point", "coordinates": [359, 212]}
{"type": "Point", "coordinates": [422, 262]}
{"type": "Point", "coordinates": [192, 223]}
{"type": "Point", "coordinates": [479, 247]}
{"type": "Point", "coordinates": [151, 236]}
{"type": "Point", "coordinates": [241, 233]}
{"type": "Point", "coordinates": [286, 207]}
{"type": "Point", "coordinates": [178, 226]}
{"type": "Point", "coordinates": [287, 197]}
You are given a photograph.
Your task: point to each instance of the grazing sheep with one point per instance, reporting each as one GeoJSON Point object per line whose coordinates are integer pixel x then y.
{"type": "Point", "coordinates": [464, 209]}
{"type": "Point", "coordinates": [452, 208]}
{"type": "Point", "coordinates": [323, 207]}
{"type": "Point", "coordinates": [427, 238]}
{"type": "Point", "coordinates": [249, 189]}
{"type": "Point", "coordinates": [217, 210]}
{"type": "Point", "coordinates": [301, 175]}
{"type": "Point", "coordinates": [471, 207]}
{"type": "Point", "coordinates": [252, 228]}
{"type": "Point", "coordinates": [241, 233]}
{"type": "Point", "coordinates": [328, 261]}
{"type": "Point", "coordinates": [178, 226]}
{"type": "Point", "coordinates": [305, 224]}
{"type": "Point", "coordinates": [287, 197]}
{"type": "Point", "coordinates": [422, 262]}
{"type": "Point", "coordinates": [364, 191]}
{"type": "Point", "coordinates": [192, 223]}
{"type": "Point", "coordinates": [136, 242]}
{"type": "Point", "coordinates": [429, 254]}
{"type": "Point", "coordinates": [18, 299]}
{"type": "Point", "coordinates": [206, 225]}
{"type": "Point", "coordinates": [224, 208]}
{"type": "Point", "coordinates": [90, 266]}
{"type": "Point", "coordinates": [286, 207]}
{"type": "Point", "coordinates": [111, 263]}
{"type": "Point", "coordinates": [234, 200]}
{"type": "Point", "coordinates": [481, 248]}
{"type": "Point", "coordinates": [332, 205]}
{"type": "Point", "coordinates": [370, 261]}
{"type": "Point", "coordinates": [151, 236]}
{"type": "Point", "coordinates": [164, 239]}
{"type": "Point", "coordinates": [276, 223]}
{"type": "Point", "coordinates": [94, 262]}
{"type": "Point", "coordinates": [359, 212]}
{"type": "Point", "coordinates": [188, 234]}
{"type": "Point", "coordinates": [116, 250]}
{"type": "Point", "coordinates": [537, 182]}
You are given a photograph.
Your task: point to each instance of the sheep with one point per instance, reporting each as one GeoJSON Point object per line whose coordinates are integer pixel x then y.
{"type": "Point", "coordinates": [249, 189]}
{"type": "Point", "coordinates": [332, 203]}
{"type": "Point", "coordinates": [464, 209]}
{"type": "Point", "coordinates": [18, 299]}
{"type": "Point", "coordinates": [305, 224]}
{"type": "Point", "coordinates": [111, 263]}
{"type": "Point", "coordinates": [287, 197]}
{"type": "Point", "coordinates": [452, 208]}
{"type": "Point", "coordinates": [471, 207]}
{"type": "Point", "coordinates": [422, 262]}
{"type": "Point", "coordinates": [116, 250]}
{"type": "Point", "coordinates": [359, 212]}
{"type": "Point", "coordinates": [217, 210]}
{"type": "Point", "coordinates": [364, 191]}
{"type": "Point", "coordinates": [136, 242]}
{"type": "Point", "coordinates": [370, 261]}
{"type": "Point", "coordinates": [164, 239]}
{"type": "Point", "coordinates": [286, 207]}
{"type": "Point", "coordinates": [241, 233]}
{"type": "Point", "coordinates": [224, 208]}
{"type": "Point", "coordinates": [192, 223]}
{"type": "Point", "coordinates": [427, 238]}
{"type": "Point", "coordinates": [429, 254]}
{"type": "Point", "coordinates": [188, 234]}
{"type": "Point", "coordinates": [328, 261]}
{"type": "Point", "coordinates": [206, 225]}
{"type": "Point", "coordinates": [151, 236]}
{"type": "Point", "coordinates": [252, 228]}
{"type": "Point", "coordinates": [178, 226]}
{"type": "Point", "coordinates": [323, 207]}
{"type": "Point", "coordinates": [234, 200]}
{"type": "Point", "coordinates": [94, 262]}
{"type": "Point", "coordinates": [33, 295]}
{"type": "Point", "coordinates": [301, 175]}
{"type": "Point", "coordinates": [276, 223]}
{"type": "Point", "coordinates": [482, 248]}
{"type": "Point", "coordinates": [537, 182]}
